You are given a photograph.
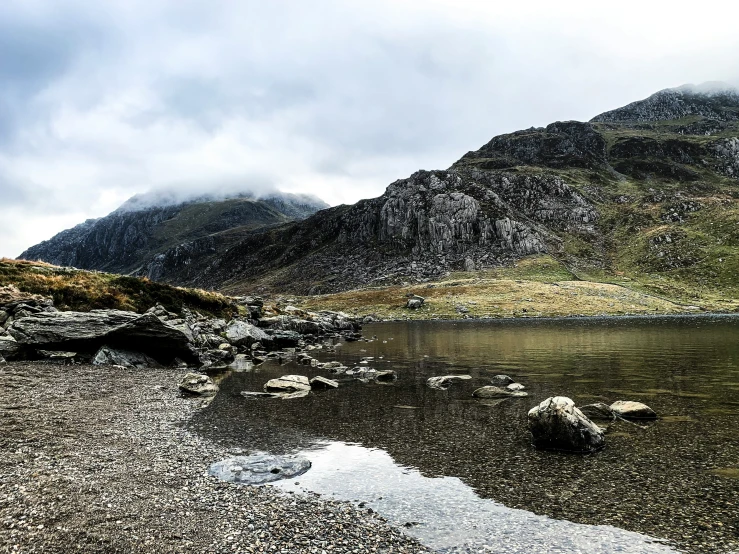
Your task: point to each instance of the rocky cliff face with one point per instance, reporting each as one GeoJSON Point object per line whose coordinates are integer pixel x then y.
{"type": "Point", "coordinates": [598, 194]}
{"type": "Point", "coordinates": [133, 237]}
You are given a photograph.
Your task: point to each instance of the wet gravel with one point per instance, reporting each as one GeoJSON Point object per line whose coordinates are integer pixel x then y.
{"type": "Point", "coordinates": [98, 460]}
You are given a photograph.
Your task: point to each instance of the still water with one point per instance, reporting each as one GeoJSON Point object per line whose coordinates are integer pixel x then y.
{"type": "Point", "coordinates": [460, 473]}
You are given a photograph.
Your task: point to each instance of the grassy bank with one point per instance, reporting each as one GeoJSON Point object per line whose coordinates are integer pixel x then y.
{"type": "Point", "coordinates": [538, 286]}
{"type": "Point", "coordinates": [75, 289]}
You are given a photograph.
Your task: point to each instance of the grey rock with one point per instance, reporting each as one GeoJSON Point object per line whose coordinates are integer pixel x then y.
{"type": "Point", "coordinates": [197, 383]}
{"type": "Point", "coordinates": [556, 424]}
{"type": "Point", "coordinates": [415, 302]}
{"type": "Point", "coordinates": [386, 376]}
{"type": "Point", "coordinates": [125, 358]}
{"type": "Point", "coordinates": [445, 381]}
{"type": "Point", "coordinates": [257, 394]}
{"type": "Point", "coordinates": [497, 392]}
{"type": "Point", "coordinates": [2, 360]}
{"type": "Point", "coordinates": [323, 383]}
{"type": "Point", "coordinates": [599, 410]}
{"type": "Point", "coordinates": [241, 362]}
{"type": "Point", "coordinates": [288, 383]}
{"type": "Point", "coordinates": [62, 356]}
{"type": "Point", "coordinates": [241, 333]}
{"type": "Point", "coordinates": [515, 387]}
{"type": "Point", "coordinates": [259, 468]}
{"type": "Point", "coordinates": [633, 410]}
{"type": "Point", "coordinates": [502, 380]}
{"type": "Point", "coordinates": [10, 349]}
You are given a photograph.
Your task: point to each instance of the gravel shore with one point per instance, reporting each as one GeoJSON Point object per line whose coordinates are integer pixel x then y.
{"type": "Point", "coordinates": [96, 459]}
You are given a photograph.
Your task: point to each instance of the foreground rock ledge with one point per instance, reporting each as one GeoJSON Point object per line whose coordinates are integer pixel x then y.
{"type": "Point", "coordinates": [556, 424]}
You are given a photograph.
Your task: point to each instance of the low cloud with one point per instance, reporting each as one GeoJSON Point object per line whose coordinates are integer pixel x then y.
{"type": "Point", "coordinates": [181, 98]}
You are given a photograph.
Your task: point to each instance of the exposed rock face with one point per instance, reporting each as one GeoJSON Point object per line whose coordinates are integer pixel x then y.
{"type": "Point", "coordinates": [556, 424]}
{"type": "Point", "coordinates": [633, 410]}
{"type": "Point", "coordinates": [84, 330]}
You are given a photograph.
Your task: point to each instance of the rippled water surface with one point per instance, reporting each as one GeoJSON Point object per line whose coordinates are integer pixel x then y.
{"type": "Point", "coordinates": [429, 458]}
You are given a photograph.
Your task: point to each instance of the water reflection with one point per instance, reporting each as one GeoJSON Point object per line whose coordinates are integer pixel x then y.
{"type": "Point", "coordinates": [660, 480]}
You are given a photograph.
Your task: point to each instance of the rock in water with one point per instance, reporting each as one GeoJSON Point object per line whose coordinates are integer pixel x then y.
{"type": "Point", "coordinates": [497, 392]}
{"type": "Point", "coordinates": [259, 468]}
{"type": "Point", "coordinates": [556, 424]}
{"type": "Point", "coordinates": [323, 383]}
{"type": "Point", "coordinates": [633, 410]}
{"type": "Point", "coordinates": [241, 333]}
{"type": "Point", "coordinates": [386, 376]}
{"type": "Point", "coordinates": [445, 381]}
{"type": "Point", "coordinates": [288, 383]}
{"type": "Point", "coordinates": [197, 383]}
{"type": "Point", "coordinates": [126, 358]}
{"type": "Point", "coordinates": [515, 387]}
{"type": "Point", "coordinates": [501, 380]}
{"type": "Point", "coordinates": [599, 410]}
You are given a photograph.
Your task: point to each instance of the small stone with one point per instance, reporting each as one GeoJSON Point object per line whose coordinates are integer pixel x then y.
{"type": "Point", "coordinates": [633, 410]}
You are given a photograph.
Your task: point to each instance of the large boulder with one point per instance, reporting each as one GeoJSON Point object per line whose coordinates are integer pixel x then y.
{"type": "Point", "coordinates": [88, 331]}
{"type": "Point", "coordinates": [288, 383]}
{"type": "Point", "coordinates": [556, 424]}
{"type": "Point", "coordinates": [126, 358]}
{"type": "Point", "coordinates": [241, 333]}
{"type": "Point", "coordinates": [443, 382]}
{"type": "Point", "coordinates": [277, 338]}
{"type": "Point", "coordinates": [497, 392]}
{"type": "Point", "coordinates": [633, 410]}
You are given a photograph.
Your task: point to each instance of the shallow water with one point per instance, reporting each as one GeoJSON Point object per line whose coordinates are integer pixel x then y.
{"type": "Point", "coordinates": [675, 479]}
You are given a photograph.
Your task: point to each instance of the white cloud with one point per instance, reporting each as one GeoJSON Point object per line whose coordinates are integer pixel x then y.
{"type": "Point", "coordinates": [338, 99]}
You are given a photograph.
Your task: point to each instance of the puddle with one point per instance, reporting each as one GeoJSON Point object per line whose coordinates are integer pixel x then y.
{"type": "Point", "coordinates": [445, 514]}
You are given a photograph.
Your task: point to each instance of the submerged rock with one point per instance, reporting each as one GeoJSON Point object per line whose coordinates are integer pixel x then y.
{"type": "Point", "coordinates": [599, 410]}
{"type": "Point", "coordinates": [197, 383]}
{"type": "Point", "coordinates": [501, 380]}
{"type": "Point", "coordinates": [323, 383]}
{"type": "Point", "coordinates": [259, 468]}
{"type": "Point", "coordinates": [125, 358]}
{"type": "Point", "coordinates": [443, 382]}
{"type": "Point", "coordinates": [633, 410]}
{"type": "Point", "coordinates": [497, 392]}
{"type": "Point", "coordinates": [386, 375]}
{"type": "Point", "coordinates": [556, 424]}
{"type": "Point", "coordinates": [288, 383]}
{"type": "Point", "coordinates": [258, 394]}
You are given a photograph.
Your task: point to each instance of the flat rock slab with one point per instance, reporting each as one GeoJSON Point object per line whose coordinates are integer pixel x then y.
{"type": "Point", "coordinates": [259, 468]}
{"type": "Point", "coordinates": [197, 383]}
{"type": "Point", "coordinates": [288, 383]}
{"type": "Point", "coordinates": [633, 410]}
{"type": "Point", "coordinates": [497, 392]}
{"type": "Point", "coordinates": [443, 382]}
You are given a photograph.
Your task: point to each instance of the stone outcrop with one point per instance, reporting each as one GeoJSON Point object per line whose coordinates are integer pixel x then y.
{"type": "Point", "coordinates": [556, 424]}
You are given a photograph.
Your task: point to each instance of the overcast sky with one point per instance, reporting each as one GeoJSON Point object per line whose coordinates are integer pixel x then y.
{"type": "Point", "coordinates": [103, 100]}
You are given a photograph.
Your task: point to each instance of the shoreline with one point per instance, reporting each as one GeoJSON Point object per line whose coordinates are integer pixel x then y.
{"type": "Point", "coordinates": [99, 460]}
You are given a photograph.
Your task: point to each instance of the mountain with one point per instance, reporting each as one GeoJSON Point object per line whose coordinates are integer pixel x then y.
{"type": "Point", "coordinates": [146, 227]}
{"type": "Point", "coordinates": [649, 191]}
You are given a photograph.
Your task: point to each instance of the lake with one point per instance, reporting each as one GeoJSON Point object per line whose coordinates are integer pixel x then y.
{"type": "Point", "coordinates": [460, 474]}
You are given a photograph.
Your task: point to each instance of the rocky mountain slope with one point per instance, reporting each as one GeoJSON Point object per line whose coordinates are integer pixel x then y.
{"type": "Point", "coordinates": [648, 191]}
{"type": "Point", "coordinates": [134, 237]}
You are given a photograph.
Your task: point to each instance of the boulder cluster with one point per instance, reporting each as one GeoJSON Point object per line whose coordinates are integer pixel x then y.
{"type": "Point", "coordinates": [32, 329]}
